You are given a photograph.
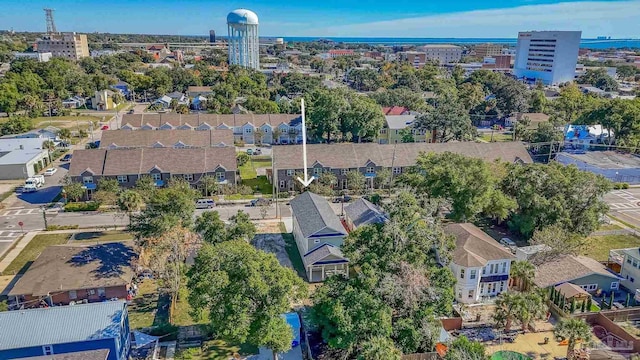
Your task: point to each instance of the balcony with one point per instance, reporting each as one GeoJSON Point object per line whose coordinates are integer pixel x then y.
{"type": "Point", "coordinates": [494, 278]}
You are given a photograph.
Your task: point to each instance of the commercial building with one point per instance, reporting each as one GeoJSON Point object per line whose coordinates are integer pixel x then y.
{"type": "Point", "coordinates": [66, 330]}
{"type": "Point", "coordinates": [442, 53]}
{"type": "Point", "coordinates": [70, 46]}
{"type": "Point", "coordinates": [370, 158]}
{"type": "Point", "coordinates": [243, 39]}
{"type": "Point", "coordinates": [72, 274]}
{"type": "Point", "coordinates": [480, 264]}
{"type": "Point", "coordinates": [547, 56]}
{"type": "Point", "coordinates": [89, 166]}
{"type": "Point", "coordinates": [21, 158]}
{"type": "Point", "coordinates": [38, 56]}
{"type": "Point", "coordinates": [212, 36]}
{"type": "Point", "coordinates": [484, 50]}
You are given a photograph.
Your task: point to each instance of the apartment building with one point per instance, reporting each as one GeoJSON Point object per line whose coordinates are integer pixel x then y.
{"type": "Point", "coordinates": [370, 158]}
{"type": "Point", "coordinates": [442, 53]}
{"type": "Point", "coordinates": [180, 139]}
{"type": "Point", "coordinates": [485, 50]}
{"type": "Point", "coordinates": [247, 128]}
{"type": "Point", "coordinates": [70, 46]}
{"type": "Point", "coordinates": [547, 56]}
{"type": "Point", "coordinates": [415, 58]}
{"type": "Point", "coordinates": [480, 264]}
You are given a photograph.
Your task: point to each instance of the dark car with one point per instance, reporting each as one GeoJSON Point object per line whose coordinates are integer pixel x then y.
{"type": "Point", "coordinates": [66, 157]}
{"type": "Point", "coordinates": [130, 111]}
{"type": "Point", "coordinates": [344, 198]}
{"type": "Point", "coordinates": [260, 202]}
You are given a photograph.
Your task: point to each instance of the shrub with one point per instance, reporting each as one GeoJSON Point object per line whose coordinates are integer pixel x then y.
{"type": "Point", "coordinates": [62, 227]}
{"type": "Point", "coordinates": [244, 190]}
{"type": "Point", "coordinates": [90, 206]}
{"type": "Point", "coordinates": [242, 158]}
{"type": "Point", "coordinates": [239, 143]}
{"type": "Point", "coordinates": [625, 185]}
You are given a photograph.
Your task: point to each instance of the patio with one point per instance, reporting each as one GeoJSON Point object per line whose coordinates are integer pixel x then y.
{"type": "Point", "coordinates": [532, 345]}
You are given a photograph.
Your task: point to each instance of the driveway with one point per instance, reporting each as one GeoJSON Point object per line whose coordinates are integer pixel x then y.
{"type": "Point", "coordinates": [48, 192]}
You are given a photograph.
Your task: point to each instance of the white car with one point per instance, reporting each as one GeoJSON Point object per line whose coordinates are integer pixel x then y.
{"type": "Point", "coordinates": [50, 171]}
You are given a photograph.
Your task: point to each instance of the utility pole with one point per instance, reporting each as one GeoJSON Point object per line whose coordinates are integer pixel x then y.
{"type": "Point", "coordinates": [393, 160]}
{"type": "Point", "coordinates": [550, 151]}
{"type": "Point", "coordinates": [44, 216]}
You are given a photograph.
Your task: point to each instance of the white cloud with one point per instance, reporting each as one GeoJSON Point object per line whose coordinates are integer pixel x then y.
{"type": "Point", "coordinates": [617, 19]}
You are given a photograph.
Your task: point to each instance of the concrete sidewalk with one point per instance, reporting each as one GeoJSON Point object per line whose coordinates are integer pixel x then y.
{"type": "Point", "coordinates": [19, 246]}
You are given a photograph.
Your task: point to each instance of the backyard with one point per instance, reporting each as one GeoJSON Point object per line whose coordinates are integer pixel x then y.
{"type": "Point", "coordinates": [598, 246]}
{"type": "Point", "coordinates": [26, 257]}
{"type": "Point", "coordinates": [497, 137]}
{"type": "Point", "coordinates": [253, 174]}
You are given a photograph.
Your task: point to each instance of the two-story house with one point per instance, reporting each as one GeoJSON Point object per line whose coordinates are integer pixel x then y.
{"type": "Point", "coordinates": [247, 128]}
{"type": "Point", "coordinates": [370, 158]}
{"type": "Point", "coordinates": [480, 264]}
{"type": "Point", "coordinates": [78, 331]}
{"type": "Point", "coordinates": [393, 130]}
{"type": "Point", "coordinates": [319, 233]}
{"type": "Point", "coordinates": [628, 267]}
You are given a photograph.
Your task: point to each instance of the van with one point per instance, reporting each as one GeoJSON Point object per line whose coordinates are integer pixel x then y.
{"type": "Point", "coordinates": [509, 244]}
{"type": "Point", "coordinates": [205, 204]}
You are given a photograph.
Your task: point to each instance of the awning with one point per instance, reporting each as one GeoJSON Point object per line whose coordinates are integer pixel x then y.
{"type": "Point", "coordinates": [494, 278]}
{"type": "Point", "coordinates": [90, 186]}
{"type": "Point", "coordinates": [159, 183]}
{"type": "Point", "coordinates": [143, 339]}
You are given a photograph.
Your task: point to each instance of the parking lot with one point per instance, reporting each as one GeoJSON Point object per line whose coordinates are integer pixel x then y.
{"type": "Point", "coordinates": [625, 205]}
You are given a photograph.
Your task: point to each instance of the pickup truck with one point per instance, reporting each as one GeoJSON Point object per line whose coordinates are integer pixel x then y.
{"type": "Point", "coordinates": [33, 183]}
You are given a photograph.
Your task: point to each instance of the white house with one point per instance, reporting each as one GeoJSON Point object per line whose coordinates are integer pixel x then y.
{"type": "Point", "coordinates": [584, 136]}
{"type": "Point", "coordinates": [480, 264]}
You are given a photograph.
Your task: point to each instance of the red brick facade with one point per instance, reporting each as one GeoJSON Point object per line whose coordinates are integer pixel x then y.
{"type": "Point", "coordinates": [92, 295]}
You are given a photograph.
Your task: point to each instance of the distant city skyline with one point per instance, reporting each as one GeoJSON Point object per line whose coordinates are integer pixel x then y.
{"type": "Point", "coordinates": [334, 18]}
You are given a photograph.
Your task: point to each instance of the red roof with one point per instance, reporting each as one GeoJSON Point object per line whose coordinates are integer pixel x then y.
{"type": "Point", "coordinates": [340, 52]}
{"type": "Point", "coordinates": [395, 110]}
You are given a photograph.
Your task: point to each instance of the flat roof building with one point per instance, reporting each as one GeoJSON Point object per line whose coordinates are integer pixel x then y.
{"type": "Point", "coordinates": [70, 46]}
{"type": "Point", "coordinates": [21, 158]}
{"type": "Point", "coordinates": [547, 56]}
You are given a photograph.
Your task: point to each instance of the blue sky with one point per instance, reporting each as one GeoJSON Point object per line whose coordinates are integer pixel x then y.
{"type": "Point", "coordinates": [358, 18]}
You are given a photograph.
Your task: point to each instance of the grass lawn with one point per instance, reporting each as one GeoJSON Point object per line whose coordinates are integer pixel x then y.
{"type": "Point", "coordinates": [606, 227]}
{"type": "Point", "coordinates": [598, 246]}
{"type": "Point", "coordinates": [294, 255]}
{"type": "Point", "coordinates": [57, 121]}
{"type": "Point", "coordinates": [259, 184]}
{"type": "Point", "coordinates": [21, 263]}
{"type": "Point", "coordinates": [143, 308]}
{"type": "Point", "coordinates": [238, 197]}
{"type": "Point", "coordinates": [181, 311]}
{"type": "Point", "coordinates": [101, 236]}
{"type": "Point", "coordinates": [215, 350]}
{"type": "Point", "coordinates": [249, 175]}
{"type": "Point", "coordinates": [623, 222]}
{"type": "Point", "coordinates": [497, 137]}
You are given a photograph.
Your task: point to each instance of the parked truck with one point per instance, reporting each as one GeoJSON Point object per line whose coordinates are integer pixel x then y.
{"type": "Point", "coordinates": [33, 183]}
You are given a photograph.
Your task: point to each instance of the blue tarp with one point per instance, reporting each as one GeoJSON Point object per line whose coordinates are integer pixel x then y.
{"type": "Point", "coordinates": [143, 339]}
{"type": "Point", "coordinates": [90, 186]}
{"type": "Point", "coordinates": [294, 321]}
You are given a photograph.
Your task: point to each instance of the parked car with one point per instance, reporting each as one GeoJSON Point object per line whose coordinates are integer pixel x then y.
{"type": "Point", "coordinates": [250, 151]}
{"type": "Point", "coordinates": [130, 111]}
{"type": "Point", "coordinates": [509, 244]}
{"type": "Point", "coordinates": [257, 152]}
{"type": "Point", "coordinates": [105, 127]}
{"type": "Point", "coordinates": [67, 157]}
{"type": "Point", "coordinates": [205, 204]}
{"type": "Point", "coordinates": [260, 202]}
{"type": "Point", "coordinates": [344, 198]}
{"type": "Point", "coordinates": [50, 171]}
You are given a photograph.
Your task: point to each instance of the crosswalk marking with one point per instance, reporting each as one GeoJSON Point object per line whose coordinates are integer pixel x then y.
{"type": "Point", "coordinates": [20, 212]}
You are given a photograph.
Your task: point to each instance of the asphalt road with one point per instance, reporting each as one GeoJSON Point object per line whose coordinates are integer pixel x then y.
{"type": "Point", "coordinates": [625, 205]}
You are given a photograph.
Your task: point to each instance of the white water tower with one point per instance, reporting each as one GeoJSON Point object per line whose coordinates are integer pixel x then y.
{"type": "Point", "coordinates": [243, 38]}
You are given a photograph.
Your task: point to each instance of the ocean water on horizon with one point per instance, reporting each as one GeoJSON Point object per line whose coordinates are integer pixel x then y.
{"type": "Point", "coordinates": [584, 43]}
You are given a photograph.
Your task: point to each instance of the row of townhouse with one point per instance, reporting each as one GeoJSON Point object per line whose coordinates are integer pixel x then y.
{"type": "Point", "coordinates": [117, 139]}
{"type": "Point", "coordinates": [248, 128]}
{"type": "Point", "coordinates": [370, 158]}
{"type": "Point", "coordinates": [161, 164]}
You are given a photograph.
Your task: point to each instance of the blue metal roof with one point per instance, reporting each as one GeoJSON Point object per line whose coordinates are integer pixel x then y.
{"type": "Point", "coordinates": [60, 324]}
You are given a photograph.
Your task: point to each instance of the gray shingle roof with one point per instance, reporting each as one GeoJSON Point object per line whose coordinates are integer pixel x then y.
{"type": "Point", "coordinates": [362, 212]}
{"type": "Point", "coordinates": [314, 214]}
{"type": "Point", "coordinates": [474, 248]}
{"type": "Point", "coordinates": [397, 122]}
{"type": "Point", "coordinates": [350, 155]}
{"type": "Point", "coordinates": [568, 268]}
{"type": "Point", "coordinates": [195, 120]}
{"type": "Point", "coordinates": [168, 138]}
{"type": "Point", "coordinates": [60, 324]}
{"type": "Point", "coordinates": [321, 253]}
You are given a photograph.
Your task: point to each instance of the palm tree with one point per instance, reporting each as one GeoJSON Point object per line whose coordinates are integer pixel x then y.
{"type": "Point", "coordinates": [64, 134]}
{"type": "Point", "coordinates": [523, 273]}
{"type": "Point", "coordinates": [49, 146]}
{"type": "Point", "coordinates": [573, 330]}
{"type": "Point", "coordinates": [530, 307]}
{"type": "Point", "coordinates": [506, 306]}
{"type": "Point", "coordinates": [129, 202]}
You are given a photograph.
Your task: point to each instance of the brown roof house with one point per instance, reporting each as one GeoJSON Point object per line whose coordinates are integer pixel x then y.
{"type": "Point", "coordinates": [370, 157]}
{"type": "Point", "coordinates": [160, 163]}
{"type": "Point", "coordinates": [480, 264]}
{"type": "Point", "coordinates": [71, 273]}
{"type": "Point", "coordinates": [319, 234]}
{"type": "Point", "coordinates": [174, 138]}
{"type": "Point", "coordinates": [582, 271]}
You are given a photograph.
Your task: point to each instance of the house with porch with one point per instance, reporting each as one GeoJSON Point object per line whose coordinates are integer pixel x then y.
{"type": "Point", "coordinates": [582, 271]}
{"type": "Point", "coordinates": [480, 264]}
{"type": "Point", "coordinates": [319, 234]}
{"type": "Point", "coordinates": [75, 331]}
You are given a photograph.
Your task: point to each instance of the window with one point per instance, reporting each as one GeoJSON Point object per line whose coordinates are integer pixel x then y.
{"type": "Point", "coordinates": [481, 288]}
{"type": "Point", "coordinates": [461, 273]}
{"type": "Point", "coordinates": [371, 170]}
{"type": "Point", "coordinates": [344, 171]}
{"type": "Point", "coordinates": [289, 172]}
{"type": "Point", "coordinates": [491, 269]}
{"type": "Point", "coordinates": [383, 131]}
{"type": "Point", "coordinates": [472, 275]}
{"type": "Point", "coordinates": [282, 183]}
{"type": "Point", "coordinates": [590, 287]}
{"type": "Point", "coordinates": [628, 260]}
{"type": "Point", "coordinates": [344, 183]}
{"type": "Point", "coordinates": [91, 291]}
{"type": "Point", "coordinates": [266, 130]}
{"type": "Point", "coordinates": [248, 130]}
{"type": "Point", "coordinates": [220, 176]}
{"type": "Point", "coordinates": [397, 171]}
{"type": "Point", "coordinates": [504, 267]}
{"type": "Point", "coordinates": [484, 270]}
{"type": "Point", "coordinates": [635, 263]}
{"type": "Point", "coordinates": [156, 176]}
{"type": "Point", "coordinates": [317, 171]}
{"type": "Point", "coordinates": [73, 295]}
{"type": "Point", "coordinates": [188, 177]}
{"type": "Point", "coordinates": [614, 285]}
{"type": "Point", "coordinates": [316, 241]}
{"type": "Point", "coordinates": [471, 294]}
{"type": "Point", "coordinates": [122, 178]}
{"type": "Point", "coordinates": [501, 286]}
{"type": "Point", "coordinates": [102, 292]}
{"type": "Point", "coordinates": [87, 179]}
{"type": "Point", "coordinates": [47, 350]}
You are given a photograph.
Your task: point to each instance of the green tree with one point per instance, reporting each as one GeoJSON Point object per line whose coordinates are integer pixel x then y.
{"type": "Point", "coordinates": [448, 118]}
{"type": "Point", "coordinates": [146, 187]}
{"type": "Point", "coordinates": [241, 227]}
{"type": "Point", "coordinates": [362, 119]}
{"type": "Point", "coordinates": [356, 181]}
{"type": "Point", "coordinates": [117, 97]}
{"type": "Point", "coordinates": [209, 185]}
{"type": "Point", "coordinates": [74, 191]}
{"type": "Point", "coordinates": [211, 227]}
{"type": "Point", "coordinates": [324, 114]}
{"type": "Point", "coordinates": [512, 96]}
{"type": "Point", "coordinates": [254, 288]}
{"type": "Point", "coordinates": [537, 101]}
{"type": "Point", "coordinates": [379, 347]}
{"type": "Point", "coordinates": [9, 97]}
{"type": "Point", "coordinates": [382, 179]}
{"type": "Point", "coordinates": [64, 134]}
{"type": "Point", "coordinates": [523, 273]}
{"type": "Point", "coordinates": [463, 348]}
{"type": "Point", "coordinates": [109, 185]}
{"type": "Point", "coordinates": [130, 201]}
{"type": "Point", "coordinates": [557, 241]}
{"type": "Point", "coordinates": [242, 158]}
{"type": "Point", "coordinates": [406, 135]}
{"type": "Point", "coordinates": [505, 311]}
{"type": "Point", "coordinates": [15, 125]}
{"type": "Point", "coordinates": [573, 329]}
{"type": "Point", "coordinates": [471, 95]}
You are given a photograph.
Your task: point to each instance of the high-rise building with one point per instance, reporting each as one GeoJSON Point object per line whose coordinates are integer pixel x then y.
{"type": "Point", "coordinates": [66, 45]}
{"type": "Point", "coordinates": [243, 38]}
{"type": "Point", "coordinates": [212, 36]}
{"type": "Point", "coordinates": [547, 56]}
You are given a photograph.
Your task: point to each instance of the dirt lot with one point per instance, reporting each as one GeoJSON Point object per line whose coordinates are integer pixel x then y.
{"type": "Point", "coordinates": [273, 243]}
